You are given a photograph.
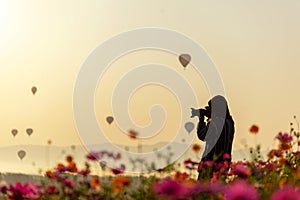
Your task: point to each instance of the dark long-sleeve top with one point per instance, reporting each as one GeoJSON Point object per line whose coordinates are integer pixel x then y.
{"type": "Point", "coordinates": [216, 146]}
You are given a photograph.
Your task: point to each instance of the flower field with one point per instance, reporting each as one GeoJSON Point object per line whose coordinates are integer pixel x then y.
{"type": "Point", "coordinates": [276, 178]}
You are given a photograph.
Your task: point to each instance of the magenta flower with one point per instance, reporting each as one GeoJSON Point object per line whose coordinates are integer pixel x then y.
{"type": "Point", "coordinates": [132, 134]}
{"type": "Point", "coordinates": [3, 189]}
{"type": "Point", "coordinates": [270, 166]}
{"type": "Point", "coordinates": [52, 189]}
{"type": "Point", "coordinates": [84, 172]}
{"type": "Point", "coordinates": [241, 190]}
{"type": "Point", "coordinates": [69, 183]}
{"type": "Point", "coordinates": [198, 188]}
{"type": "Point", "coordinates": [57, 176]}
{"type": "Point", "coordinates": [169, 188]}
{"type": "Point", "coordinates": [99, 155]}
{"type": "Point", "coordinates": [28, 190]}
{"type": "Point", "coordinates": [226, 156]}
{"type": "Point", "coordinates": [61, 168]}
{"type": "Point", "coordinates": [241, 170]}
{"type": "Point", "coordinates": [93, 156]}
{"type": "Point", "coordinates": [118, 170]}
{"type": "Point", "coordinates": [208, 163]}
{"type": "Point", "coordinates": [297, 153]}
{"type": "Point", "coordinates": [215, 187]}
{"type": "Point", "coordinates": [287, 192]}
{"type": "Point", "coordinates": [260, 164]}
{"type": "Point", "coordinates": [220, 166]}
{"type": "Point", "coordinates": [284, 137]}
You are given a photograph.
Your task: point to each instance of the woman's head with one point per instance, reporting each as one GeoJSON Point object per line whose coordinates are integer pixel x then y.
{"type": "Point", "coordinates": [218, 107]}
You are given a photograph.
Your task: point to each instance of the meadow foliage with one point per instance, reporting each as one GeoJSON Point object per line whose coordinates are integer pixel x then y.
{"type": "Point", "coordinates": [276, 178]}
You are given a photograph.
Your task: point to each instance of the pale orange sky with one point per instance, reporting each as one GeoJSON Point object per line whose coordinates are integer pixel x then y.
{"type": "Point", "coordinates": [254, 44]}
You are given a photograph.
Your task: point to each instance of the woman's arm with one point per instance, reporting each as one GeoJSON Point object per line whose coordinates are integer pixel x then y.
{"type": "Point", "coordinates": [202, 129]}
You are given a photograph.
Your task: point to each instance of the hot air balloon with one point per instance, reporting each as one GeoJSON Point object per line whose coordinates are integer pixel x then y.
{"type": "Point", "coordinates": [109, 119]}
{"type": "Point", "coordinates": [153, 166]}
{"type": "Point", "coordinates": [21, 154]}
{"type": "Point", "coordinates": [14, 132]}
{"type": "Point", "coordinates": [29, 131]}
{"type": "Point", "coordinates": [189, 126]}
{"type": "Point", "coordinates": [184, 59]}
{"type": "Point", "coordinates": [103, 164]}
{"type": "Point", "coordinates": [34, 90]}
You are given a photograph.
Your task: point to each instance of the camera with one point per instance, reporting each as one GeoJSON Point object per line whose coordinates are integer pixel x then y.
{"type": "Point", "coordinates": [203, 112]}
{"type": "Point", "coordinates": [200, 112]}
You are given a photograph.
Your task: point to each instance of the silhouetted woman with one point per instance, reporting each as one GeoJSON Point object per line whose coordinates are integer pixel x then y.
{"type": "Point", "coordinates": [218, 133]}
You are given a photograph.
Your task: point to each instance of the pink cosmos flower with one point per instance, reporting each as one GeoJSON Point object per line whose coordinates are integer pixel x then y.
{"type": "Point", "coordinates": [212, 188]}
{"type": "Point", "coordinates": [28, 190]}
{"type": "Point", "coordinates": [3, 187]}
{"type": "Point", "coordinates": [132, 134]}
{"type": "Point", "coordinates": [287, 192]}
{"type": "Point", "coordinates": [270, 166]}
{"type": "Point", "coordinates": [241, 190]}
{"type": "Point", "coordinates": [208, 163]}
{"type": "Point", "coordinates": [118, 170]}
{"type": "Point", "coordinates": [69, 183]}
{"type": "Point", "coordinates": [169, 188]}
{"type": "Point", "coordinates": [297, 153]}
{"type": "Point", "coordinates": [84, 172]}
{"type": "Point", "coordinates": [61, 168]}
{"type": "Point", "coordinates": [52, 189]}
{"type": "Point", "coordinates": [241, 170]}
{"type": "Point", "coordinates": [93, 156]}
{"type": "Point", "coordinates": [226, 156]}
{"type": "Point", "coordinates": [284, 137]}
